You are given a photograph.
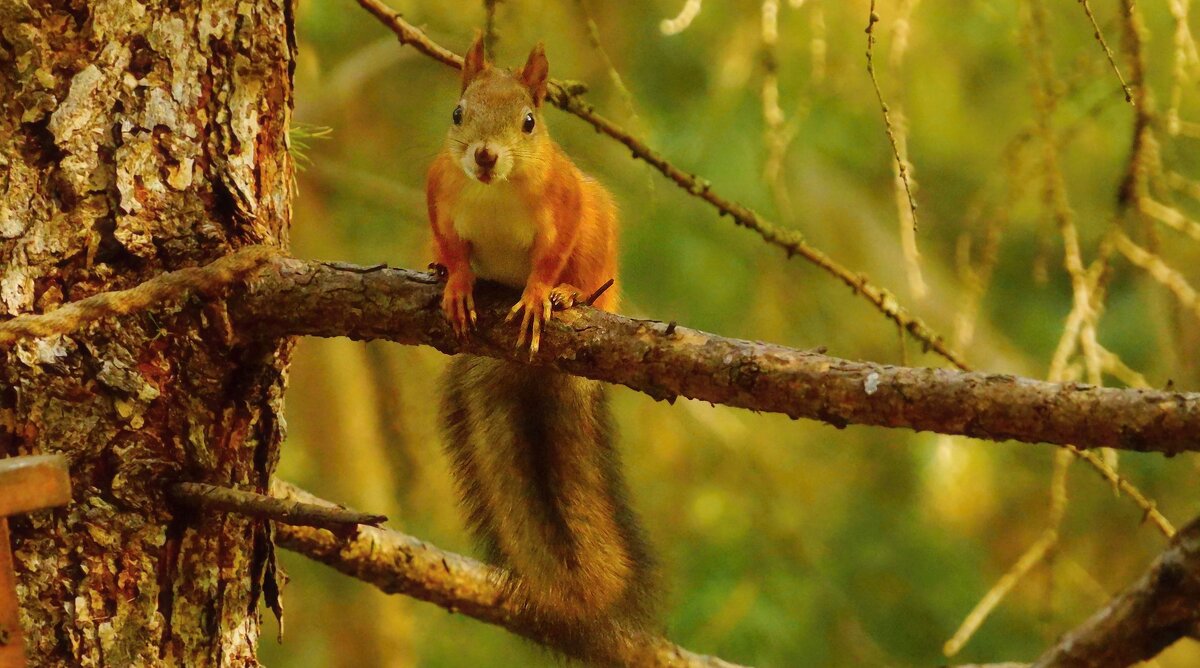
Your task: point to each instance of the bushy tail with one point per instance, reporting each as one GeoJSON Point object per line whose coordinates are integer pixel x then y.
{"type": "Point", "coordinates": [539, 476]}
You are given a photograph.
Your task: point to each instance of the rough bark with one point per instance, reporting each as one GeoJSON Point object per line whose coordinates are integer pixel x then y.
{"type": "Point", "coordinates": [290, 296]}
{"type": "Point", "coordinates": [134, 139]}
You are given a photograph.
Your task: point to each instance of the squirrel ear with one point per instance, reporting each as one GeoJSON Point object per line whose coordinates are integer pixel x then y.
{"type": "Point", "coordinates": [534, 73]}
{"type": "Point", "coordinates": [475, 61]}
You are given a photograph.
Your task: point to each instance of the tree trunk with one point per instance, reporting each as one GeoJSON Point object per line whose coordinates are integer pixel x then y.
{"type": "Point", "coordinates": [134, 139]}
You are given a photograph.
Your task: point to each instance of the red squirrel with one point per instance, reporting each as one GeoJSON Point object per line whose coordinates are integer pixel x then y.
{"type": "Point", "coordinates": [531, 448]}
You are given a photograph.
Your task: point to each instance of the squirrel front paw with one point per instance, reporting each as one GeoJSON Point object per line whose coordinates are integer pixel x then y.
{"type": "Point", "coordinates": [458, 303]}
{"type": "Point", "coordinates": [537, 303]}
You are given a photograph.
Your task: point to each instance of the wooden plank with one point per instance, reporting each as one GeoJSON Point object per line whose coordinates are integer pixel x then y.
{"type": "Point", "coordinates": [12, 643]}
{"type": "Point", "coordinates": [33, 482]}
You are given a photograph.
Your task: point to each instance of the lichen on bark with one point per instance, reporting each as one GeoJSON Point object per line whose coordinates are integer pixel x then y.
{"type": "Point", "coordinates": [137, 138]}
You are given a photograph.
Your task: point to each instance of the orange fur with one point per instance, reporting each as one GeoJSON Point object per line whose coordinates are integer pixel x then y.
{"type": "Point", "coordinates": [531, 448]}
{"type": "Point", "coordinates": [574, 219]}
{"type": "Point", "coordinates": [576, 238]}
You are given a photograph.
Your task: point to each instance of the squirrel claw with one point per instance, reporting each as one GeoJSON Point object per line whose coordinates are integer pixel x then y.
{"type": "Point", "coordinates": [564, 297]}
{"type": "Point", "coordinates": [458, 304]}
{"type": "Point", "coordinates": [537, 310]}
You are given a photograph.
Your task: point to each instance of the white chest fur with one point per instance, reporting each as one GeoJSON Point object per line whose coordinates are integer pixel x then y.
{"type": "Point", "coordinates": [500, 228]}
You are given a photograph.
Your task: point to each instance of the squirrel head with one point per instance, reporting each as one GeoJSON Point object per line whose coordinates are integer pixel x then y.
{"type": "Point", "coordinates": [496, 130]}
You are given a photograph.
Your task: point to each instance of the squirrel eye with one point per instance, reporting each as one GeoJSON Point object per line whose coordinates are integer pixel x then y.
{"type": "Point", "coordinates": [457, 115]}
{"type": "Point", "coordinates": [528, 126]}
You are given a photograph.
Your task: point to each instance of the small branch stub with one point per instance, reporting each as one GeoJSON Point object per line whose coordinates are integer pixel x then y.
{"type": "Point", "coordinates": [287, 511]}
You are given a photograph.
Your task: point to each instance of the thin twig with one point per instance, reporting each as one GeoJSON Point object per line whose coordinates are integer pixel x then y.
{"type": "Point", "coordinates": [202, 496]}
{"type": "Point", "coordinates": [1031, 557]}
{"type": "Point", "coordinates": [1143, 163]}
{"type": "Point", "coordinates": [168, 287]}
{"type": "Point", "coordinates": [1150, 511]}
{"type": "Point", "coordinates": [400, 564]}
{"type": "Point", "coordinates": [901, 163]}
{"type": "Point", "coordinates": [1169, 216]}
{"type": "Point", "coordinates": [818, 48]}
{"type": "Point", "coordinates": [1038, 551]}
{"type": "Point", "coordinates": [1161, 272]}
{"type": "Point", "coordinates": [593, 32]}
{"type": "Point", "coordinates": [1087, 9]}
{"type": "Point", "coordinates": [489, 28]}
{"type": "Point", "coordinates": [687, 14]}
{"type": "Point", "coordinates": [905, 216]}
{"type": "Point", "coordinates": [1185, 53]}
{"type": "Point", "coordinates": [777, 134]}
{"type": "Point", "coordinates": [791, 241]}
{"type": "Point", "coordinates": [599, 291]}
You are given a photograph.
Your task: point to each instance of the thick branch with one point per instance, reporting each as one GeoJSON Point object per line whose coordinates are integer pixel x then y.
{"type": "Point", "coordinates": [290, 297]}
{"type": "Point", "coordinates": [1137, 624]}
{"type": "Point", "coordinates": [400, 564]}
{"type": "Point", "coordinates": [202, 496]}
{"type": "Point", "coordinates": [171, 286]}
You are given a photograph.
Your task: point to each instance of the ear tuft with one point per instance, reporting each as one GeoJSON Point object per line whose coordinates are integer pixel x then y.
{"type": "Point", "coordinates": [475, 61]}
{"type": "Point", "coordinates": [534, 74]}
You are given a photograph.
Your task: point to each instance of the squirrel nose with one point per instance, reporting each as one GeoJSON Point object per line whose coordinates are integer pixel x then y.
{"type": "Point", "coordinates": [485, 157]}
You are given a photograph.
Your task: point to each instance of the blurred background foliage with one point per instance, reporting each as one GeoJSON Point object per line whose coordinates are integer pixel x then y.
{"type": "Point", "coordinates": [783, 543]}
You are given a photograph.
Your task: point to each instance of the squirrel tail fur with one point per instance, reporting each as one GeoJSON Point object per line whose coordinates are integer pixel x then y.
{"type": "Point", "coordinates": [540, 478]}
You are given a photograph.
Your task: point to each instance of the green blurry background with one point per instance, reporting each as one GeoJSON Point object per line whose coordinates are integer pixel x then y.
{"type": "Point", "coordinates": [783, 543]}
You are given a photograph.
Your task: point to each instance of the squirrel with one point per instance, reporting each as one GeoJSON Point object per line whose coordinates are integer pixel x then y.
{"type": "Point", "coordinates": [531, 448]}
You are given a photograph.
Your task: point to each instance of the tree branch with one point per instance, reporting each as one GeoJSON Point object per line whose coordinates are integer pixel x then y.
{"type": "Point", "coordinates": [400, 564]}
{"type": "Point", "coordinates": [326, 515]}
{"type": "Point", "coordinates": [171, 286]}
{"type": "Point", "coordinates": [296, 297]}
{"type": "Point", "coordinates": [1146, 618]}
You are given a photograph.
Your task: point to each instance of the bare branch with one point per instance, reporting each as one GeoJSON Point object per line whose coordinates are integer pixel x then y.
{"type": "Point", "coordinates": [202, 496]}
{"type": "Point", "coordinates": [171, 286]}
{"type": "Point", "coordinates": [295, 297]}
{"type": "Point", "coordinates": [791, 241]}
{"type": "Point", "coordinates": [400, 564]}
{"type": "Point", "coordinates": [489, 27]}
{"type": "Point", "coordinates": [901, 163]}
{"type": "Point", "coordinates": [674, 26]}
{"type": "Point", "coordinates": [1087, 9]}
{"type": "Point", "coordinates": [1141, 621]}
{"type": "Point", "coordinates": [1159, 270]}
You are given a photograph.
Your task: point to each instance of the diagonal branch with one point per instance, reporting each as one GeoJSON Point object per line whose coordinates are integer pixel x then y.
{"type": "Point", "coordinates": [296, 297]}
{"type": "Point", "coordinates": [792, 242]}
{"type": "Point", "coordinates": [202, 496]}
{"type": "Point", "coordinates": [1137, 624]}
{"type": "Point", "coordinates": [400, 564]}
{"type": "Point", "coordinates": [171, 286]}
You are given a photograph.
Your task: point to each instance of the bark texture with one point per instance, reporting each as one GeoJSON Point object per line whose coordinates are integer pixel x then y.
{"type": "Point", "coordinates": [135, 139]}
{"type": "Point", "coordinates": [290, 296]}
